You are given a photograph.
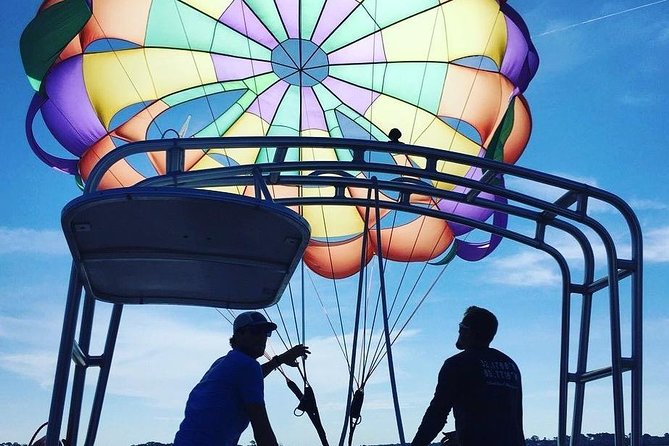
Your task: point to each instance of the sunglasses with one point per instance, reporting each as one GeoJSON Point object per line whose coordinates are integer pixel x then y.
{"type": "Point", "coordinates": [258, 331]}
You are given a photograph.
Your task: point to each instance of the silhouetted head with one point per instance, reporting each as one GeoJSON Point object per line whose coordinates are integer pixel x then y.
{"type": "Point", "coordinates": [250, 332]}
{"type": "Point", "coordinates": [477, 329]}
{"type": "Point", "coordinates": [394, 135]}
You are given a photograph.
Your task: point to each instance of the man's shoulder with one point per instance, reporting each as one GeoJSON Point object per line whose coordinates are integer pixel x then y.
{"type": "Point", "coordinates": [500, 354]}
{"type": "Point", "coordinates": [241, 360]}
{"type": "Point", "coordinates": [457, 359]}
{"type": "Point", "coordinates": [477, 354]}
{"type": "Point", "coordinates": [234, 360]}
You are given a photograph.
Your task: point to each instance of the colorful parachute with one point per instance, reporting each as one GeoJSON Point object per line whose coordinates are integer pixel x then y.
{"type": "Point", "coordinates": [448, 74]}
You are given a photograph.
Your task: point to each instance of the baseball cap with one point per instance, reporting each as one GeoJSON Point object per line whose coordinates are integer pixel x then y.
{"type": "Point", "coordinates": [252, 319]}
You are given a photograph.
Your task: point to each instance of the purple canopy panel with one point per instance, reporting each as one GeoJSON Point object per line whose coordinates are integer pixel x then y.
{"type": "Point", "coordinates": [312, 112]}
{"type": "Point", "coordinates": [239, 17]}
{"type": "Point", "coordinates": [234, 68]}
{"type": "Point", "coordinates": [521, 60]}
{"type": "Point", "coordinates": [474, 251]}
{"type": "Point", "coordinates": [470, 211]}
{"type": "Point", "coordinates": [466, 210]}
{"type": "Point", "coordinates": [68, 112]}
{"type": "Point", "coordinates": [64, 165]}
{"type": "Point", "coordinates": [359, 99]}
{"type": "Point", "coordinates": [333, 14]}
{"type": "Point", "coordinates": [268, 101]}
{"type": "Point", "coordinates": [288, 10]}
{"type": "Point", "coordinates": [370, 49]}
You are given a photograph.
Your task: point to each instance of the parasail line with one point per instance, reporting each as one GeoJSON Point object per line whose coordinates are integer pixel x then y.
{"type": "Point", "coordinates": [471, 88]}
{"type": "Point", "coordinates": [253, 72]}
{"type": "Point", "coordinates": [365, 349]}
{"type": "Point", "coordinates": [134, 86]}
{"type": "Point", "coordinates": [327, 316]}
{"type": "Point", "coordinates": [386, 330]}
{"type": "Point", "coordinates": [596, 19]}
{"type": "Point", "coordinates": [224, 317]}
{"type": "Point", "coordinates": [336, 293]}
{"type": "Point", "coordinates": [385, 263]}
{"type": "Point", "coordinates": [197, 68]}
{"type": "Point", "coordinates": [292, 305]}
{"type": "Point", "coordinates": [376, 359]}
{"type": "Point", "coordinates": [378, 297]}
{"type": "Point", "coordinates": [377, 356]}
{"type": "Point", "coordinates": [283, 324]}
{"type": "Point", "coordinates": [317, 22]}
{"type": "Point", "coordinates": [325, 39]}
{"type": "Point", "coordinates": [371, 95]}
{"type": "Point", "coordinates": [422, 81]}
{"type": "Point", "coordinates": [304, 312]}
{"type": "Point", "coordinates": [420, 303]}
{"type": "Point", "coordinates": [334, 282]}
{"type": "Point", "coordinates": [379, 28]}
{"type": "Point", "coordinates": [356, 326]}
{"type": "Point", "coordinates": [413, 249]}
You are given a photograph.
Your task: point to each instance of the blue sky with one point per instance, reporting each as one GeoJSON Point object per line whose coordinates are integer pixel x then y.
{"type": "Point", "coordinates": [599, 109]}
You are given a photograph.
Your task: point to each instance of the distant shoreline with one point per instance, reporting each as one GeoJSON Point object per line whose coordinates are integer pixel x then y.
{"type": "Point", "coordinates": [599, 439]}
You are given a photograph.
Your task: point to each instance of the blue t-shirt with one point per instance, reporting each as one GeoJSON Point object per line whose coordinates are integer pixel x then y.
{"type": "Point", "coordinates": [215, 413]}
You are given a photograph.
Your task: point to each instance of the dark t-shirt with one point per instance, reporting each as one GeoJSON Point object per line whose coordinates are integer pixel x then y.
{"type": "Point", "coordinates": [483, 388]}
{"type": "Point", "coordinates": [215, 412]}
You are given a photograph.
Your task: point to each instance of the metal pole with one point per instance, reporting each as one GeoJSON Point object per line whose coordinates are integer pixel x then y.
{"type": "Point", "coordinates": [363, 252]}
{"type": "Point", "coordinates": [384, 306]}
{"type": "Point", "coordinates": [637, 333]}
{"type": "Point", "coordinates": [64, 357]}
{"type": "Point", "coordinates": [584, 345]}
{"type": "Point", "coordinates": [616, 348]}
{"type": "Point", "coordinates": [79, 380]}
{"type": "Point", "coordinates": [105, 366]}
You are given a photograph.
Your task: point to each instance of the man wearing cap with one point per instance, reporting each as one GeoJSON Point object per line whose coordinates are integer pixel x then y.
{"type": "Point", "coordinates": [231, 393]}
{"type": "Point", "coordinates": [482, 386]}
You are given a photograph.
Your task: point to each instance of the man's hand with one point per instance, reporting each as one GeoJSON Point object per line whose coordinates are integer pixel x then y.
{"type": "Point", "coordinates": [450, 439]}
{"type": "Point", "coordinates": [290, 357]}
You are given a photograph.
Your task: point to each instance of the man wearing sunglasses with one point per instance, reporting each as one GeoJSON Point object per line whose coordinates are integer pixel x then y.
{"type": "Point", "coordinates": [231, 393]}
{"type": "Point", "coordinates": [482, 385]}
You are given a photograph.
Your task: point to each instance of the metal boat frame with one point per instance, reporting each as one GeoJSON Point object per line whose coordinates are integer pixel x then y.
{"type": "Point", "coordinates": [569, 214]}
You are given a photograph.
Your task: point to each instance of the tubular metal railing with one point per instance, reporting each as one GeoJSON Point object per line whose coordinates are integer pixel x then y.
{"type": "Point", "coordinates": [568, 214]}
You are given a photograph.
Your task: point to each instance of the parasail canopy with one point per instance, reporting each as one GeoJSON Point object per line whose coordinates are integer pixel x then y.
{"type": "Point", "coordinates": [449, 75]}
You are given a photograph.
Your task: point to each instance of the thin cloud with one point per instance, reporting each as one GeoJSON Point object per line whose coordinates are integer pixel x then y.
{"type": "Point", "coordinates": [32, 241]}
{"type": "Point", "coordinates": [37, 366]}
{"type": "Point", "coordinates": [641, 204]}
{"type": "Point", "coordinates": [148, 349]}
{"type": "Point", "coordinates": [637, 100]}
{"type": "Point", "coordinates": [159, 357]}
{"type": "Point", "coordinates": [527, 269]}
{"type": "Point", "coordinates": [656, 245]}
{"type": "Point", "coordinates": [550, 193]}
{"type": "Point", "coordinates": [544, 191]}
{"type": "Point", "coordinates": [664, 35]}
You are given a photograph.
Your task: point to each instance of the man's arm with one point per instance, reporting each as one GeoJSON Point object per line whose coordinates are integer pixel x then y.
{"type": "Point", "coordinates": [436, 414]}
{"type": "Point", "coordinates": [262, 430]}
{"type": "Point", "coordinates": [289, 357]}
